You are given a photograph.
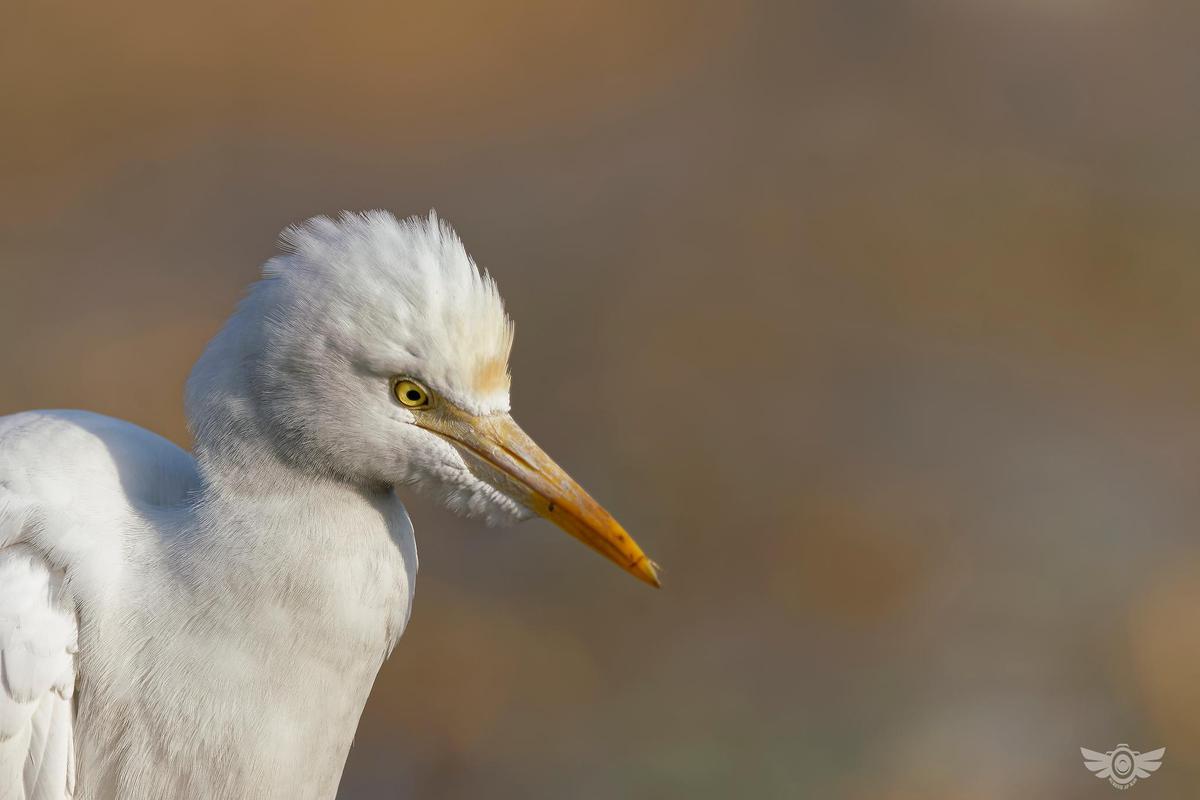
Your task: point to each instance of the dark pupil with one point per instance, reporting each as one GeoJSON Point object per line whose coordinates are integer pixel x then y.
{"type": "Point", "coordinates": [413, 394]}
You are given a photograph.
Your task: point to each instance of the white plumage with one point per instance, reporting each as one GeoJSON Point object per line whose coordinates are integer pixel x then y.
{"type": "Point", "coordinates": [37, 645]}
{"type": "Point", "coordinates": [179, 626]}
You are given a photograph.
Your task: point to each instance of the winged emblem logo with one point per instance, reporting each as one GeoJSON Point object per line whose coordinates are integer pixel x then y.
{"type": "Point", "coordinates": [1122, 765]}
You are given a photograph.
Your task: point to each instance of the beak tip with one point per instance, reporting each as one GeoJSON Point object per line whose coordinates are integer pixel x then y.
{"type": "Point", "coordinates": [647, 571]}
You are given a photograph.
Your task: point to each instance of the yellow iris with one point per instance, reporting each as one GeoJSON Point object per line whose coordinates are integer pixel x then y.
{"type": "Point", "coordinates": [410, 393]}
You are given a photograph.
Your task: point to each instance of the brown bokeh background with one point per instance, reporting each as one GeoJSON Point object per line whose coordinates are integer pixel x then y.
{"type": "Point", "coordinates": [875, 322]}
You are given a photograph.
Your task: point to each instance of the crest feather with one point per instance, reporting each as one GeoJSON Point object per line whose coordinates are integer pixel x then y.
{"type": "Point", "coordinates": [406, 281]}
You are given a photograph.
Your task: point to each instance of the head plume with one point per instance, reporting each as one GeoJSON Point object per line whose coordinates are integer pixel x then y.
{"type": "Point", "coordinates": [402, 285]}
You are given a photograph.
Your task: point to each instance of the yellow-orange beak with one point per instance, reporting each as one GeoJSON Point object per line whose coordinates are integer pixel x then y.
{"type": "Point", "coordinates": [501, 453]}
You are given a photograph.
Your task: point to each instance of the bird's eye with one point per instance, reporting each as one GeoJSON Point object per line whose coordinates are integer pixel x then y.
{"type": "Point", "coordinates": [410, 393]}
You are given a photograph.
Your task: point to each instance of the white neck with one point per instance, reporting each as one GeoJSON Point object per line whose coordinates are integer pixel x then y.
{"type": "Point", "coordinates": [288, 590]}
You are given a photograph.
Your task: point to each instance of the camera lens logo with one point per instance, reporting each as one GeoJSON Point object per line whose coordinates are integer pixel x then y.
{"type": "Point", "coordinates": [1121, 765]}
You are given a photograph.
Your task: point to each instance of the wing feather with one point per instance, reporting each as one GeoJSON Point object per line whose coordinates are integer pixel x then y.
{"type": "Point", "coordinates": [38, 631]}
{"type": "Point", "coordinates": [69, 480]}
{"type": "Point", "coordinates": [1099, 763]}
{"type": "Point", "coordinates": [1145, 763]}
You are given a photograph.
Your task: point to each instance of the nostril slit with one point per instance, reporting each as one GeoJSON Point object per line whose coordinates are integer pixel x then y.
{"type": "Point", "coordinates": [551, 507]}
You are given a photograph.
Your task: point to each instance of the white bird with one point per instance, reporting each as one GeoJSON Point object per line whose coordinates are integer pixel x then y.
{"type": "Point", "coordinates": [208, 625]}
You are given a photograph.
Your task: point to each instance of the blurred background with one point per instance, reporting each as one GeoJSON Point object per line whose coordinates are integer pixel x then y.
{"type": "Point", "coordinates": [875, 322]}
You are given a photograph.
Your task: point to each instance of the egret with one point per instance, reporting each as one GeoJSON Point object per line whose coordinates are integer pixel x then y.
{"type": "Point", "coordinates": [209, 624]}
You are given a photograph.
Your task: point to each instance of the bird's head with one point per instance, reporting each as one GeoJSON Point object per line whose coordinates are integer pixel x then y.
{"type": "Point", "coordinates": [380, 356]}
